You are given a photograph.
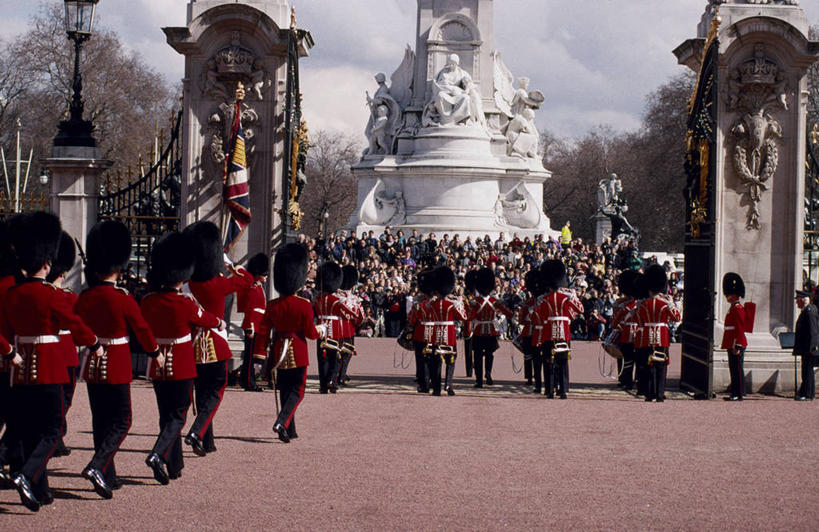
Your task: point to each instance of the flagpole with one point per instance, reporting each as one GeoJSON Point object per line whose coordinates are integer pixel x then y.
{"type": "Point", "coordinates": [239, 95]}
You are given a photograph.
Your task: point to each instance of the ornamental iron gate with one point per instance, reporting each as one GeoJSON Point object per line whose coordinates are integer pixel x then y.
{"type": "Point", "coordinates": [148, 203]}
{"type": "Point", "coordinates": [700, 168]}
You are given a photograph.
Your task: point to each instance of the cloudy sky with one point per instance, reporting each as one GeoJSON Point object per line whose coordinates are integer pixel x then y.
{"type": "Point", "coordinates": [595, 60]}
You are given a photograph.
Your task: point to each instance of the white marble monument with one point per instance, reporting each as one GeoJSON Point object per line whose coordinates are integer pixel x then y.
{"type": "Point", "coordinates": [764, 52]}
{"type": "Point", "coordinates": [452, 140]}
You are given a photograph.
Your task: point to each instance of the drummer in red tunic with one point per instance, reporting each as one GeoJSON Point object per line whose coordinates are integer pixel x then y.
{"type": "Point", "coordinates": [111, 312]}
{"type": "Point", "coordinates": [289, 319]}
{"type": "Point", "coordinates": [171, 316]}
{"type": "Point", "coordinates": [733, 339]}
{"type": "Point", "coordinates": [251, 301]}
{"type": "Point", "coordinates": [627, 329]}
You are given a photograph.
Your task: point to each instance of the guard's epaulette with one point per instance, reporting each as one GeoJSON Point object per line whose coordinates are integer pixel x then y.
{"type": "Point", "coordinates": [302, 298]}
{"type": "Point", "coordinates": [123, 290]}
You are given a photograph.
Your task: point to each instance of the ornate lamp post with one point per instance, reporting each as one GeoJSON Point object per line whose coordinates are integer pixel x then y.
{"type": "Point", "coordinates": [79, 19]}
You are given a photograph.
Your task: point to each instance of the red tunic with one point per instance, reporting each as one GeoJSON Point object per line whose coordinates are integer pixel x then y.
{"type": "Point", "coordinates": [621, 319]}
{"type": "Point", "coordinates": [253, 300]}
{"type": "Point", "coordinates": [5, 283]}
{"type": "Point", "coordinates": [211, 295]}
{"type": "Point", "coordinates": [735, 327]}
{"type": "Point", "coordinates": [33, 314]}
{"type": "Point", "coordinates": [355, 310]}
{"type": "Point", "coordinates": [111, 312]}
{"type": "Point", "coordinates": [332, 313]}
{"type": "Point", "coordinates": [652, 316]}
{"type": "Point", "coordinates": [440, 315]}
{"type": "Point", "coordinates": [171, 316]}
{"type": "Point", "coordinates": [287, 317]}
{"type": "Point", "coordinates": [417, 316]}
{"type": "Point", "coordinates": [552, 317]}
{"type": "Point", "coordinates": [522, 317]}
{"type": "Point", "coordinates": [482, 314]}
{"type": "Point", "coordinates": [72, 359]}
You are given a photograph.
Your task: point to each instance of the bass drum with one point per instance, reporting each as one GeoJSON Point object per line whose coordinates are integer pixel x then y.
{"type": "Point", "coordinates": [405, 339]}
{"type": "Point", "coordinates": [610, 344]}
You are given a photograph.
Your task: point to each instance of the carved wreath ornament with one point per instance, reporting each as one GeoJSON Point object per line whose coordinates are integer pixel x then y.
{"type": "Point", "coordinates": [755, 87]}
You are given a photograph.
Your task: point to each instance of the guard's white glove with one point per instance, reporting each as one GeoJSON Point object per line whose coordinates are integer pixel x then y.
{"type": "Point", "coordinates": [227, 260]}
{"type": "Point", "coordinates": [322, 330]}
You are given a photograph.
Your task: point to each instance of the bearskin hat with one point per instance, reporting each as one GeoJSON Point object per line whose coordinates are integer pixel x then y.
{"type": "Point", "coordinates": [8, 261]}
{"type": "Point", "coordinates": [732, 285]}
{"type": "Point", "coordinates": [209, 253]}
{"type": "Point", "coordinates": [107, 248]}
{"type": "Point", "coordinates": [553, 274]}
{"type": "Point", "coordinates": [290, 269]}
{"type": "Point", "coordinates": [639, 287]}
{"type": "Point", "coordinates": [533, 284]}
{"type": "Point", "coordinates": [259, 264]}
{"type": "Point", "coordinates": [66, 256]}
{"type": "Point", "coordinates": [656, 279]}
{"type": "Point", "coordinates": [36, 238]}
{"type": "Point", "coordinates": [329, 277]}
{"type": "Point", "coordinates": [469, 281]}
{"type": "Point", "coordinates": [426, 282]}
{"type": "Point", "coordinates": [349, 277]}
{"type": "Point", "coordinates": [485, 281]}
{"type": "Point", "coordinates": [172, 260]}
{"type": "Point", "coordinates": [625, 282]}
{"type": "Point", "coordinates": [444, 280]}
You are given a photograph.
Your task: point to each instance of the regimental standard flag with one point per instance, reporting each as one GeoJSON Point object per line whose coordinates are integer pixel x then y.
{"type": "Point", "coordinates": [236, 188]}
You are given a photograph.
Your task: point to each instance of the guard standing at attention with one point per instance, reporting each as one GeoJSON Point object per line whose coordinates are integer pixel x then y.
{"type": "Point", "coordinates": [806, 341]}
{"type": "Point", "coordinates": [482, 315]}
{"type": "Point", "coordinates": [171, 316]}
{"type": "Point", "coordinates": [111, 312]}
{"type": "Point", "coordinates": [653, 316]}
{"type": "Point", "coordinates": [251, 302]}
{"type": "Point", "coordinates": [210, 287]}
{"type": "Point", "coordinates": [551, 320]}
{"type": "Point", "coordinates": [289, 318]}
{"type": "Point", "coordinates": [34, 313]}
{"type": "Point", "coordinates": [733, 339]}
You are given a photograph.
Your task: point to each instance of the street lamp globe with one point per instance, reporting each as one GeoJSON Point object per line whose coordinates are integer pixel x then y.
{"type": "Point", "coordinates": [79, 18]}
{"type": "Point", "coordinates": [44, 178]}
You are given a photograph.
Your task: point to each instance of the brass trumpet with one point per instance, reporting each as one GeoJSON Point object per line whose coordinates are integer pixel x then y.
{"type": "Point", "coordinates": [330, 343]}
{"type": "Point", "coordinates": [657, 357]}
{"type": "Point", "coordinates": [348, 349]}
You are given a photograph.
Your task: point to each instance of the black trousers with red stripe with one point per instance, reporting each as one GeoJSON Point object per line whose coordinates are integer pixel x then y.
{"type": "Point", "coordinates": [38, 419]}
{"type": "Point", "coordinates": [68, 393]}
{"type": "Point", "coordinates": [291, 383]}
{"type": "Point", "coordinates": [110, 421]}
{"type": "Point", "coordinates": [5, 411]}
{"type": "Point", "coordinates": [210, 383]}
{"type": "Point", "coordinates": [735, 368]}
{"type": "Point", "coordinates": [173, 398]}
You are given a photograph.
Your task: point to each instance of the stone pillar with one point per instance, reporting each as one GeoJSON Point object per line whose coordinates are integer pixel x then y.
{"type": "Point", "coordinates": [74, 194]}
{"type": "Point", "coordinates": [764, 53]}
{"type": "Point", "coordinates": [602, 228]}
{"type": "Point", "coordinates": [226, 42]}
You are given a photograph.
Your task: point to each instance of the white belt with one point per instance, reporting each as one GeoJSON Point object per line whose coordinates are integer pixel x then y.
{"type": "Point", "coordinates": [655, 325]}
{"type": "Point", "coordinates": [730, 328]}
{"type": "Point", "coordinates": [329, 318]}
{"type": "Point", "coordinates": [44, 339]}
{"type": "Point", "coordinates": [429, 323]}
{"type": "Point", "coordinates": [64, 331]}
{"type": "Point", "coordinates": [558, 318]}
{"type": "Point", "coordinates": [174, 341]}
{"type": "Point", "coordinates": [259, 310]}
{"type": "Point", "coordinates": [629, 323]}
{"type": "Point", "coordinates": [122, 340]}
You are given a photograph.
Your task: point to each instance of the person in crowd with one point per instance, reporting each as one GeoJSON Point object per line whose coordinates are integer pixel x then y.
{"type": "Point", "coordinates": [806, 341]}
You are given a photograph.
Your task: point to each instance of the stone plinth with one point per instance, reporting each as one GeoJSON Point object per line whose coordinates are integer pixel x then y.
{"type": "Point", "coordinates": [224, 43]}
{"type": "Point", "coordinates": [602, 228]}
{"type": "Point", "coordinates": [74, 195]}
{"type": "Point", "coordinates": [764, 52]}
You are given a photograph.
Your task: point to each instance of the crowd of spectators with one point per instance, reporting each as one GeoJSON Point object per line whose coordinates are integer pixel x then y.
{"type": "Point", "coordinates": [390, 262]}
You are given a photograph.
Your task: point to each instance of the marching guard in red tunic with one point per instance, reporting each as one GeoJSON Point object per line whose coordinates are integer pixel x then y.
{"type": "Point", "coordinates": [289, 319]}
{"type": "Point", "coordinates": [7, 269]}
{"type": "Point", "coordinates": [483, 313]}
{"type": "Point", "coordinates": [210, 344]}
{"type": "Point", "coordinates": [524, 340]}
{"type": "Point", "coordinates": [171, 316]}
{"type": "Point", "coordinates": [733, 339]}
{"type": "Point", "coordinates": [415, 319]}
{"type": "Point", "coordinates": [627, 329]}
{"type": "Point", "coordinates": [110, 312]}
{"type": "Point", "coordinates": [351, 322]}
{"type": "Point", "coordinates": [66, 256]}
{"type": "Point", "coordinates": [440, 314]}
{"type": "Point", "coordinates": [551, 326]}
{"type": "Point", "coordinates": [330, 312]}
{"type": "Point", "coordinates": [251, 302]}
{"type": "Point", "coordinates": [652, 316]}
{"type": "Point", "coordinates": [469, 295]}
{"type": "Point", "coordinates": [33, 315]}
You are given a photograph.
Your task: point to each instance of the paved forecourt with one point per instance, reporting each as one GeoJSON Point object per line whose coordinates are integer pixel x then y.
{"type": "Point", "coordinates": [379, 456]}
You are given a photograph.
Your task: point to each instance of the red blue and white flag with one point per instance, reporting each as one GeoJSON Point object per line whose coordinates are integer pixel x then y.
{"type": "Point", "coordinates": [236, 187]}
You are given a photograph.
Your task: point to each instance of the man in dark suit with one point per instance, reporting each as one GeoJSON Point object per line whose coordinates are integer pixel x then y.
{"type": "Point", "coordinates": [806, 341]}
